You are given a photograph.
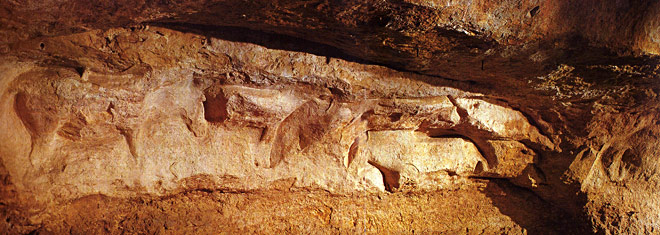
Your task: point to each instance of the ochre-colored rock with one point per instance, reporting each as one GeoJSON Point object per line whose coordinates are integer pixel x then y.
{"type": "Point", "coordinates": [356, 116]}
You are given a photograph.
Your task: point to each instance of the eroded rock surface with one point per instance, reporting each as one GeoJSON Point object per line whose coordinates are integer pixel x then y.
{"type": "Point", "coordinates": [349, 117]}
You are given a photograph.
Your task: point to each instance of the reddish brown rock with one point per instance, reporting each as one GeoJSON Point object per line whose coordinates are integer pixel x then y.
{"type": "Point", "coordinates": [329, 117]}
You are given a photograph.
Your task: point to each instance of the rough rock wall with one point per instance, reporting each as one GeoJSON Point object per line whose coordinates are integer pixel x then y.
{"type": "Point", "coordinates": [489, 117]}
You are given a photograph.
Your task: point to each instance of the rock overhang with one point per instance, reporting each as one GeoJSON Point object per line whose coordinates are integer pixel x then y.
{"type": "Point", "coordinates": [359, 97]}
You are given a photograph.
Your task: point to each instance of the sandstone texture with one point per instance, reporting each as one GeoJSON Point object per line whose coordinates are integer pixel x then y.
{"type": "Point", "coordinates": [353, 116]}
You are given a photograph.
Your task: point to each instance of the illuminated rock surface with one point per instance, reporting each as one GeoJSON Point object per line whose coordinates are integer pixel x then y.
{"type": "Point", "coordinates": [329, 117]}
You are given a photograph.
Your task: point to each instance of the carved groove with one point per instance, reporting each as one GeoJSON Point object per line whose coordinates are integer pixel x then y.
{"type": "Point", "coordinates": [390, 177]}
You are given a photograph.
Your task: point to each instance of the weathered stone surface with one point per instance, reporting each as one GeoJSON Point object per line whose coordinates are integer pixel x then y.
{"type": "Point", "coordinates": [326, 117]}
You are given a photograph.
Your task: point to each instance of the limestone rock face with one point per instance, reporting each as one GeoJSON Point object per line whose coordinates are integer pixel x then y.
{"type": "Point", "coordinates": [329, 117]}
